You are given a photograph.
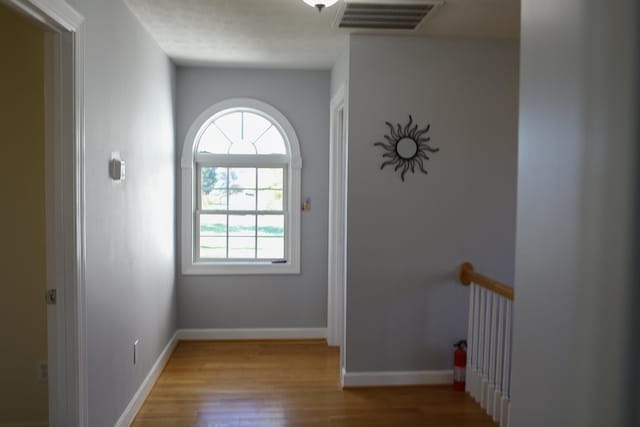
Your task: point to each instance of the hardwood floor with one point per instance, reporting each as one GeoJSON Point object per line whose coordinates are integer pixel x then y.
{"type": "Point", "coordinates": [288, 383]}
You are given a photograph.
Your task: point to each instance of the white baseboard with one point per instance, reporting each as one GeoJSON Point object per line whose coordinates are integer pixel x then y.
{"type": "Point", "coordinates": [143, 391]}
{"type": "Point", "coordinates": [252, 334]}
{"type": "Point", "coordinates": [396, 378]}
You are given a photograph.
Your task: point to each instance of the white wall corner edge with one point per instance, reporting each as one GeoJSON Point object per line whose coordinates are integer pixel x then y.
{"type": "Point", "coordinates": [396, 378]}
{"type": "Point", "coordinates": [252, 334]}
{"type": "Point", "coordinates": [145, 388]}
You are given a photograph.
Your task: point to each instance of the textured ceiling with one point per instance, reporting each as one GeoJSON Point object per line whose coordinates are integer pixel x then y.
{"type": "Point", "coordinates": [290, 34]}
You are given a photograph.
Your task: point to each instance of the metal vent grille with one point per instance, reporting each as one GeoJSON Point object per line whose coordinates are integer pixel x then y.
{"type": "Point", "coordinates": [389, 15]}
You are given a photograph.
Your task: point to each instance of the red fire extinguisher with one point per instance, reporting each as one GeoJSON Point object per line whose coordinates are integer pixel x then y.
{"type": "Point", "coordinates": [459, 365]}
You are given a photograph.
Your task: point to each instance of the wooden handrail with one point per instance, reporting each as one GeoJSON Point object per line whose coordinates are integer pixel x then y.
{"type": "Point", "coordinates": [468, 275]}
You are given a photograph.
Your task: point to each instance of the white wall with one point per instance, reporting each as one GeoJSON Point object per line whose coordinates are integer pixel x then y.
{"type": "Point", "coordinates": [577, 164]}
{"type": "Point", "coordinates": [551, 137]}
{"type": "Point", "coordinates": [130, 275]}
{"type": "Point", "coordinates": [294, 301]}
{"type": "Point", "coordinates": [405, 309]}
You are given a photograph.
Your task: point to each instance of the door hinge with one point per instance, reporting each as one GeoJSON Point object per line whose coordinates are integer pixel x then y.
{"type": "Point", "coordinates": [50, 297]}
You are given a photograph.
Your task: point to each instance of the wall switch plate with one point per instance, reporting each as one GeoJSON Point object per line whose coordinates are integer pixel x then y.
{"type": "Point", "coordinates": [117, 169]}
{"type": "Point", "coordinates": [42, 371]}
{"type": "Point", "coordinates": [135, 351]}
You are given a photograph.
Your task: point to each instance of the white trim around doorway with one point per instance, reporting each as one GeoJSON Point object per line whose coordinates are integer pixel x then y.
{"type": "Point", "coordinates": [337, 223]}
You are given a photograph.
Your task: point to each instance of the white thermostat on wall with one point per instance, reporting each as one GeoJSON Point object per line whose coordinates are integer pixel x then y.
{"type": "Point", "coordinates": [117, 169]}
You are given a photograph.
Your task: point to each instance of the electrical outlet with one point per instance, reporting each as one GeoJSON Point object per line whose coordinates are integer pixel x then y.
{"type": "Point", "coordinates": [135, 351]}
{"type": "Point", "coordinates": [42, 371]}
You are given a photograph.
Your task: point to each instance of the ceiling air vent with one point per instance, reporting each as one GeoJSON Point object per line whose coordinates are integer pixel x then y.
{"type": "Point", "coordinates": [385, 14]}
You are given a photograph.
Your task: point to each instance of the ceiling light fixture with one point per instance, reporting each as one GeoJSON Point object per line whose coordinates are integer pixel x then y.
{"type": "Point", "coordinates": [320, 4]}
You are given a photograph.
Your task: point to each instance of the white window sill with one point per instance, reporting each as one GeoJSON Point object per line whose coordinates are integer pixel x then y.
{"type": "Point", "coordinates": [238, 269]}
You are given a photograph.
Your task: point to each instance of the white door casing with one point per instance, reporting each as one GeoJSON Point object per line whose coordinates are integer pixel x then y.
{"type": "Point", "coordinates": [337, 224]}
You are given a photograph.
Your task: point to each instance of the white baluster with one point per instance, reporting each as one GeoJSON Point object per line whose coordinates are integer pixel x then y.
{"type": "Point", "coordinates": [506, 371]}
{"type": "Point", "coordinates": [476, 342]}
{"type": "Point", "coordinates": [487, 350]}
{"type": "Point", "coordinates": [481, 342]}
{"type": "Point", "coordinates": [470, 338]}
{"type": "Point", "coordinates": [493, 349]}
{"type": "Point", "coordinates": [500, 350]}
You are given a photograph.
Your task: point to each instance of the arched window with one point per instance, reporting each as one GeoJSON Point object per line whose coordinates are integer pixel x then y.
{"type": "Point", "coordinates": [241, 170]}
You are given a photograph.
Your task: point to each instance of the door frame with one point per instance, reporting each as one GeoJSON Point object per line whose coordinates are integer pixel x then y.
{"type": "Point", "coordinates": [65, 205]}
{"type": "Point", "coordinates": [337, 224]}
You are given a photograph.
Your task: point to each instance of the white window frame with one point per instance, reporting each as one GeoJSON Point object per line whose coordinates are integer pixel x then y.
{"type": "Point", "coordinates": [293, 176]}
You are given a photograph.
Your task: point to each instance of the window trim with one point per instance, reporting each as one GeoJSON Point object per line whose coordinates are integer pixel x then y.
{"type": "Point", "coordinates": [190, 265]}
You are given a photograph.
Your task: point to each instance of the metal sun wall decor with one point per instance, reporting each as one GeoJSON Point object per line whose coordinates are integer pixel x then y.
{"type": "Point", "coordinates": [406, 148]}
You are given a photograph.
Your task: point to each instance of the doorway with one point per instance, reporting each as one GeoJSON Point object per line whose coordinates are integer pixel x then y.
{"type": "Point", "coordinates": [41, 92]}
{"type": "Point", "coordinates": [23, 312]}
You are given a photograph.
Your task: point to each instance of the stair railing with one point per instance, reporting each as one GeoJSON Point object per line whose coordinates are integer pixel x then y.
{"type": "Point", "coordinates": [489, 339]}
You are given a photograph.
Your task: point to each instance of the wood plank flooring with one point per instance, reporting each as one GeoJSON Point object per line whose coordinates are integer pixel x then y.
{"type": "Point", "coordinates": [288, 383]}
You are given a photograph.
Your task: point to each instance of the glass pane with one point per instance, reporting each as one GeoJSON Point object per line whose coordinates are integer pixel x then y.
{"type": "Point", "coordinates": [270, 247]}
{"type": "Point", "coordinates": [213, 141]}
{"type": "Point", "coordinates": [270, 200]}
{"type": "Point", "coordinates": [271, 178]}
{"type": "Point", "coordinates": [271, 225]}
{"type": "Point", "coordinates": [231, 126]}
{"type": "Point", "coordinates": [213, 178]}
{"type": "Point", "coordinates": [213, 247]}
{"type": "Point", "coordinates": [254, 127]}
{"type": "Point", "coordinates": [242, 148]}
{"type": "Point", "coordinates": [242, 178]}
{"type": "Point", "coordinates": [242, 200]}
{"type": "Point", "coordinates": [242, 225]}
{"type": "Point", "coordinates": [271, 143]}
{"type": "Point", "coordinates": [216, 199]}
{"type": "Point", "coordinates": [213, 225]}
{"type": "Point", "coordinates": [242, 247]}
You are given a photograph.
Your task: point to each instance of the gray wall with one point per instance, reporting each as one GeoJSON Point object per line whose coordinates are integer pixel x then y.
{"type": "Point", "coordinates": [340, 71]}
{"type": "Point", "coordinates": [130, 275]}
{"type": "Point", "coordinates": [548, 207]}
{"type": "Point", "coordinates": [405, 309]}
{"type": "Point", "coordinates": [265, 301]}
{"type": "Point", "coordinates": [578, 157]}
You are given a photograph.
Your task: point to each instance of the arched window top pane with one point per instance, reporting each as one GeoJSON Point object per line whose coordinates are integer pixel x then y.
{"type": "Point", "coordinates": [213, 141]}
{"type": "Point", "coordinates": [271, 142]}
{"type": "Point", "coordinates": [241, 132]}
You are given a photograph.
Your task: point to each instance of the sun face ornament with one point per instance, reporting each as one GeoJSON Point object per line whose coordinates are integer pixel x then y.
{"type": "Point", "coordinates": [406, 148]}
